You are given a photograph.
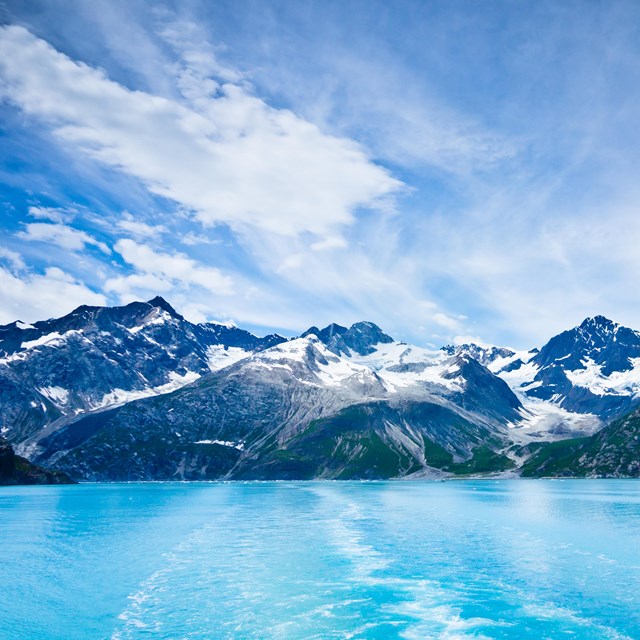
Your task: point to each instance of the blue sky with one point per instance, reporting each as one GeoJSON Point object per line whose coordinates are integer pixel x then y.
{"type": "Point", "coordinates": [444, 169]}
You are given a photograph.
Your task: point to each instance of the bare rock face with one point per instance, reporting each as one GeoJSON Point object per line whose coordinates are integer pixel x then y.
{"type": "Point", "coordinates": [96, 357]}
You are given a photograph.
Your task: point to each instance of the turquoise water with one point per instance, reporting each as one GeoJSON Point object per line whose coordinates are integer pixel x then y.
{"type": "Point", "coordinates": [487, 559]}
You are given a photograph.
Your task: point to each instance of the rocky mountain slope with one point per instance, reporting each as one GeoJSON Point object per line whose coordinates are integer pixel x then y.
{"type": "Point", "coordinates": [97, 357]}
{"type": "Point", "coordinates": [17, 470]}
{"type": "Point", "coordinates": [613, 452]}
{"type": "Point", "coordinates": [592, 368]}
{"type": "Point", "coordinates": [298, 410]}
{"type": "Point", "coordinates": [576, 383]}
{"type": "Point", "coordinates": [138, 392]}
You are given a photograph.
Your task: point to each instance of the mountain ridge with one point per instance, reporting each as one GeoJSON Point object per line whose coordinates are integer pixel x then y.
{"type": "Point", "coordinates": [139, 392]}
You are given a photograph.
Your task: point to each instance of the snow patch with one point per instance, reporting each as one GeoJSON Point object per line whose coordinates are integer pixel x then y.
{"type": "Point", "coordinates": [57, 395]}
{"type": "Point", "coordinates": [501, 362]}
{"type": "Point", "coordinates": [53, 339]}
{"type": "Point", "coordinates": [295, 350]}
{"type": "Point", "coordinates": [337, 371]}
{"type": "Point", "coordinates": [225, 443]}
{"type": "Point", "coordinates": [219, 357]}
{"type": "Point", "coordinates": [401, 365]}
{"type": "Point", "coordinates": [545, 420]}
{"type": "Point", "coordinates": [618, 383]}
{"type": "Point", "coordinates": [521, 377]}
{"type": "Point", "coordinates": [118, 397]}
{"type": "Point", "coordinates": [47, 339]}
{"type": "Point", "coordinates": [162, 317]}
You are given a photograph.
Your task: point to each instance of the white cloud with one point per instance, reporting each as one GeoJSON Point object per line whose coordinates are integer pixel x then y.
{"type": "Point", "coordinates": [191, 239]}
{"type": "Point", "coordinates": [140, 229]}
{"type": "Point", "coordinates": [453, 324]}
{"type": "Point", "coordinates": [31, 296]}
{"type": "Point", "coordinates": [362, 86]}
{"type": "Point", "coordinates": [373, 280]}
{"type": "Point", "coordinates": [12, 258]}
{"type": "Point", "coordinates": [331, 242]}
{"type": "Point", "coordinates": [138, 285]}
{"type": "Point", "coordinates": [231, 158]}
{"type": "Point", "coordinates": [198, 64]}
{"type": "Point", "coordinates": [162, 271]}
{"type": "Point", "coordinates": [53, 214]}
{"type": "Point", "coordinates": [61, 236]}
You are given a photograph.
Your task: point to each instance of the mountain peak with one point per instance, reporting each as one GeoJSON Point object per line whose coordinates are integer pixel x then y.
{"type": "Point", "coordinates": [598, 342]}
{"type": "Point", "coordinates": [330, 332]}
{"type": "Point", "coordinates": [160, 303]}
{"type": "Point", "coordinates": [596, 322]}
{"type": "Point", "coordinates": [371, 330]}
{"type": "Point", "coordinates": [360, 337]}
{"type": "Point", "coordinates": [484, 354]}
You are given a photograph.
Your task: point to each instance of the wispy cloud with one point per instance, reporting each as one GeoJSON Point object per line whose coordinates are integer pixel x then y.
{"type": "Point", "coordinates": [250, 146]}
{"type": "Point", "coordinates": [139, 229]}
{"type": "Point", "coordinates": [13, 259]}
{"type": "Point", "coordinates": [26, 294]}
{"type": "Point", "coordinates": [62, 236]}
{"type": "Point", "coordinates": [229, 156]}
{"type": "Point", "coordinates": [52, 214]}
{"type": "Point", "coordinates": [163, 271]}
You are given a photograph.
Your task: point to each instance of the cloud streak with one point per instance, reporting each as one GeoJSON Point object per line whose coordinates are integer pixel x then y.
{"type": "Point", "coordinates": [247, 149]}
{"type": "Point", "coordinates": [26, 294]}
{"type": "Point", "coordinates": [229, 157]}
{"type": "Point", "coordinates": [62, 236]}
{"type": "Point", "coordinates": [162, 271]}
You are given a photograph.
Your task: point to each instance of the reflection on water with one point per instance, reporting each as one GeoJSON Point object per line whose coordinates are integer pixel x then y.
{"type": "Point", "coordinates": [477, 559]}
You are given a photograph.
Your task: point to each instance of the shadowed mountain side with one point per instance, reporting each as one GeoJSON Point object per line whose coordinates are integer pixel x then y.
{"type": "Point", "coordinates": [16, 470]}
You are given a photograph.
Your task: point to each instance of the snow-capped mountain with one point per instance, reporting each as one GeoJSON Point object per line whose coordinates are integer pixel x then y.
{"type": "Point", "coordinates": [138, 392]}
{"type": "Point", "coordinates": [485, 355]}
{"type": "Point", "coordinates": [359, 339]}
{"type": "Point", "coordinates": [97, 357]}
{"type": "Point", "coordinates": [592, 369]}
{"type": "Point", "coordinates": [302, 408]}
{"type": "Point", "coordinates": [575, 383]}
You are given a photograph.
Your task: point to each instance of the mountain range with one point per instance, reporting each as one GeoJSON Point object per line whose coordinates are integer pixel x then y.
{"type": "Point", "coordinates": [138, 392]}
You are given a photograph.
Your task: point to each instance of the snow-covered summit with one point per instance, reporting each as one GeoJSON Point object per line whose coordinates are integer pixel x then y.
{"type": "Point", "coordinates": [591, 369]}
{"type": "Point", "coordinates": [359, 339]}
{"type": "Point", "coordinates": [96, 357]}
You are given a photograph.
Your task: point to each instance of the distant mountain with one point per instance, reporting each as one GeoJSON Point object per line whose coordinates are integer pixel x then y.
{"type": "Point", "coordinates": [138, 392]}
{"type": "Point", "coordinates": [299, 410]}
{"type": "Point", "coordinates": [578, 381]}
{"type": "Point", "coordinates": [593, 368]}
{"type": "Point", "coordinates": [97, 357]}
{"type": "Point", "coordinates": [485, 355]}
{"type": "Point", "coordinates": [361, 338]}
{"type": "Point", "coordinates": [16, 470]}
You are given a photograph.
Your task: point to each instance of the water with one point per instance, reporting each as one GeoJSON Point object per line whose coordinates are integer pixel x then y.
{"type": "Point", "coordinates": [486, 559]}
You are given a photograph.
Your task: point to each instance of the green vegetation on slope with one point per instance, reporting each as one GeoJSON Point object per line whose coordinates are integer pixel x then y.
{"type": "Point", "coordinates": [484, 460]}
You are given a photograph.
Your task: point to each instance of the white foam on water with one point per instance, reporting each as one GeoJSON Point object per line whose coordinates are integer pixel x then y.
{"type": "Point", "coordinates": [550, 611]}
{"type": "Point", "coordinates": [425, 607]}
{"type": "Point", "coordinates": [349, 542]}
{"type": "Point", "coordinates": [145, 610]}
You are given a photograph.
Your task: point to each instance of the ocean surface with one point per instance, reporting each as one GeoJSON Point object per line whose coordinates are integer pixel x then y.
{"type": "Point", "coordinates": [463, 559]}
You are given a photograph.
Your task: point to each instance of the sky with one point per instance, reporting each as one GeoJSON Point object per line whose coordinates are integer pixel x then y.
{"type": "Point", "coordinates": [450, 170]}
